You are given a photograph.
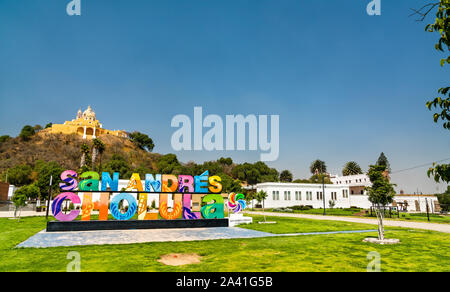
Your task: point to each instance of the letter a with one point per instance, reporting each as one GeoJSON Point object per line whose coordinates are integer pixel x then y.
{"type": "Point", "coordinates": [74, 7]}
{"type": "Point", "coordinates": [374, 8]}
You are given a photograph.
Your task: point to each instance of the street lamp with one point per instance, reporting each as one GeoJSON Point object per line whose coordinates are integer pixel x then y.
{"type": "Point", "coordinates": [323, 189]}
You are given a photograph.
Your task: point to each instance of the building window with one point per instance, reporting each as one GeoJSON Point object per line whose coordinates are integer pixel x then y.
{"type": "Point", "coordinates": [334, 196]}
{"type": "Point", "coordinates": [319, 196]}
{"type": "Point", "coordinates": [276, 195]}
{"type": "Point", "coordinates": [345, 193]}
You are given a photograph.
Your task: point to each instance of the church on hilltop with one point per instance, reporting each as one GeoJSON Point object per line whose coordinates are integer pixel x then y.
{"type": "Point", "coordinates": [85, 125]}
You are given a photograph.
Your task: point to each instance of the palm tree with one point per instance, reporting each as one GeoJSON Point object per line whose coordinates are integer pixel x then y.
{"type": "Point", "coordinates": [351, 168]}
{"type": "Point", "coordinates": [98, 147]}
{"type": "Point", "coordinates": [84, 149]}
{"type": "Point", "coordinates": [318, 166]}
{"type": "Point", "coordinates": [319, 169]}
{"type": "Point", "coordinates": [260, 197]}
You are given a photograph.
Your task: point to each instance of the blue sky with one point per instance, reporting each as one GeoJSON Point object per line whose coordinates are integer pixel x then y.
{"type": "Point", "coordinates": [346, 86]}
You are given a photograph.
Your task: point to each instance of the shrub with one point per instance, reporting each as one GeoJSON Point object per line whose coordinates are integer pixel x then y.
{"type": "Point", "coordinates": [27, 132]}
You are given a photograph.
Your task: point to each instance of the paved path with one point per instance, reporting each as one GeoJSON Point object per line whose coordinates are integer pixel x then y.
{"type": "Point", "coordinates": [406, 224]}
{"type": "Point", "coordinates": [53, 239]}
{"type": "Point", "coordinates": [10, 214]}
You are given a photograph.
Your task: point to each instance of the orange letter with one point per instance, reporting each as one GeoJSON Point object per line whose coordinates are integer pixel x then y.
{"type": "Point", "coordinates": [177, 206]}
{"type": "Point", "coordinates": [88, 206]}
{"type": "Point", "coordinates": [165, 183]}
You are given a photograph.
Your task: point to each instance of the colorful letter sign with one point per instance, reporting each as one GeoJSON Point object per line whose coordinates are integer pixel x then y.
{"type": "Point", "coordinates": [136, 196]}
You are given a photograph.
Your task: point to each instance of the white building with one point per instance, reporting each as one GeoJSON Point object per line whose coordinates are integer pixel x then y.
{"type": "Point", "coordinates": [356, 183]}
{"type": "Point", "coordinates": [294, 194]}
{"type": "Point", "coordinates": [346, 192]}
{"type": "Point", "coordinates": [11, 190]}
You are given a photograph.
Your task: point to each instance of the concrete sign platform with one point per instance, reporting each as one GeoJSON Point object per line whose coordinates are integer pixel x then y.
{"type": "Point", "coordinates": [45, 239]}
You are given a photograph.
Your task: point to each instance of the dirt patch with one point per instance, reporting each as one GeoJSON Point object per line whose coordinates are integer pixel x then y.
{"type": "Point", "coordinates": [384, 241]}
{"type": "Point", "coordinates": [179, 259]}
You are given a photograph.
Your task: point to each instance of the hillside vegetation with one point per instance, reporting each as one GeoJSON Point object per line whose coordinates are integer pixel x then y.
{"type": "Point", "coordinates": [65, 151]}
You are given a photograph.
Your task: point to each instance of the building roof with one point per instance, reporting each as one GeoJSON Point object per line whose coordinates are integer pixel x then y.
{"type": "Point", "coordinates": [414, 195]}
{"type": "Point", "coordinates": [298, 185]}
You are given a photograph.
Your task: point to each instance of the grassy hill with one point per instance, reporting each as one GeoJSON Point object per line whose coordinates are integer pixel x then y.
{"type": "Point", "coordinates": [65, 150]}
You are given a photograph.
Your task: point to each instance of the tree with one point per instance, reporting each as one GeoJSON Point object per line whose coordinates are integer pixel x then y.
{"type": "Point", "coordinates": [286, 176]}
{"type": "Point", "coordinates": [49, 125]}
{"type": "Point", "coordinates": [46, 170]}
{"type": "Point", "coordinates": [331, 203]}
{"type": "Point", "coordinates": [230, 185]}
{"type": "Point", "coordinates": [20, 175]}
{"type": "Point", "coordinates": [318, 166]}
{"type": "Point", "coordinates": [351, 168]}
{"type": "Point", "coordinates": [37, 128]}
{"type": "Point", "coordinates": [247, 172]}
{"type": "Point", "coordinates": [261, 196]}
{"type": "Point", "coordinates": [381, 193]}
{"type": "Point", "coordinates": [142, 170]}
{"type": "Point", "coordinates": [98, 147]}
{"type": "Point", "coordinates": [20, 200]}
{"type": "Point", "coordinates": [142, 141]}
{"type": "Point", "coordinates": [27, 132]}
{"type": "Point", "coordinates": [168, 164]}
{"type": "Point", "coordinates": [444, 200]}
{"type": "Point", "coordinates": [84, 149]}
{"type": "Point", "coordinates": [266, 173]}
{"type": "Point", "coordinates": [250, 196]}
{"type": "Point", "coordinates": [383, 161]}
{"type": "Point", "coordinates": [31, 192]}
{"type": "Point", "coordinates": [118, 164]}
{"type": "Point", "coordinates": [440, 103]}
{"type": "Point", "coordinates": [4, 138]}
{"type": "Point", "coordinates": [302, 181]}
{"type": "Point", "coordinates": [319, 178]}
{"type": "Point", "coordinates": [225, 161]}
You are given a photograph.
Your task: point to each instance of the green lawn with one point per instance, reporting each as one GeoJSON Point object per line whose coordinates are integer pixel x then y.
{"type": "Point", "coordinates": [422, 217]}
{"type": "Point", "coordinates": [419, 251]}
{"type": "Point", "coordinates": [295, 225]}
{"type": "Point", "coordinates": [334, 212]}
{"type": "Point", "coordinates": [419, 217]}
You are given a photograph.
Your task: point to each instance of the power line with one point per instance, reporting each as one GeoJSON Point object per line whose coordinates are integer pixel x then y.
{"type": "Point", "coordinates": [419, 166]}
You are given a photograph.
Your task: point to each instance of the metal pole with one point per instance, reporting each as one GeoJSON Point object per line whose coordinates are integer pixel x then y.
{"type": "Point", "coordinates": [323, 193]}
{"type": "Point", "coordinates": [428, 213]}
{"type": "Point", "coordinates": [49, 197]}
